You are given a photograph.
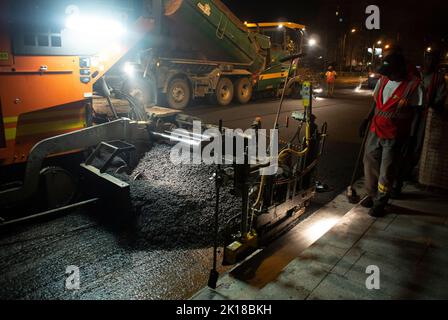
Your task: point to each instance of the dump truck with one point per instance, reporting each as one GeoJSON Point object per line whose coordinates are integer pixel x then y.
{"type": "Point", "coordinates": [202, 50]}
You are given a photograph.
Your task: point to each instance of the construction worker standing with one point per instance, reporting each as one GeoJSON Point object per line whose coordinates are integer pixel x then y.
{"type": "Point", "coordinates": [330, 77]}
{"type": "Point", "coordinates": [396, 97]}
{"type": "Point", "coordinates": [434, 89]}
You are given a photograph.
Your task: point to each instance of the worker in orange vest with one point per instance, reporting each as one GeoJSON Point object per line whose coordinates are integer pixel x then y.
{"type": "Point", "coordinates": [330, 76]}
{"type": "Point", "coordinates": [397, 95]}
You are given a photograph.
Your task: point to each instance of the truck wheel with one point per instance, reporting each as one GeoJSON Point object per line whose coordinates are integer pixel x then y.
{"type": "Point", "coordinates": [178, 94]}
{"type": "Point", "coordinates": [296, 89]}
{"type": "Point", "coordinates": [224, 91]}
{"type": "Point", "coordinates": [243, 90]}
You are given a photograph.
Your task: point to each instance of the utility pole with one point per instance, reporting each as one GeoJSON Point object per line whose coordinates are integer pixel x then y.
{"type": "Point", "coordinates": [343, 51]}
{"type": "Point", "coordinates": [351, 57]}
{"type": "Point", "coordinates": [353, 31]}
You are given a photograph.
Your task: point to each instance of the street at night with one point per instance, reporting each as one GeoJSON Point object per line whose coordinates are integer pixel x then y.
{"type": "Point", "coordinates": [115, 268]}
{"type": "Point", "coordinates": [200, 150]}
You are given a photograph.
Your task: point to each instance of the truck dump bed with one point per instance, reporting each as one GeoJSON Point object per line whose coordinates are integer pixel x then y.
{"type": "Point", "coordinates": [208, 30]}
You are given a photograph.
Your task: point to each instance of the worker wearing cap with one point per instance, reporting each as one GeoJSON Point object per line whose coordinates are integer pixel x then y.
{"type": "Point", "coordinates": [330, 76]}
{"type": "Point", "coordinates": [396, 97]}
{"type": "Point", "coordinates": [434, 89]}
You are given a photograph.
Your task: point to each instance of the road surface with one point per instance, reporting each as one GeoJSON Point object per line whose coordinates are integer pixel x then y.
{"type": "Point", "coordinates": [34, 258]}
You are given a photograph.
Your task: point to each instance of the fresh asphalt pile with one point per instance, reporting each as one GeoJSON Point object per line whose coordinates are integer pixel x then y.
{"type": "Point", "coordinates": [175, 203]}
{"type": "Point", "coordinates": [164, 253]}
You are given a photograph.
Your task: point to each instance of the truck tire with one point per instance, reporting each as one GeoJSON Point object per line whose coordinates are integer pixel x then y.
{"type": "Point", "coordinates": [224, 91]}
{"type": "Point", "coordinates": [179, 93]}
{"type": "Point", "coordinates": [243, 90]}
{"type": "Point", "coordinates": [296, 89]}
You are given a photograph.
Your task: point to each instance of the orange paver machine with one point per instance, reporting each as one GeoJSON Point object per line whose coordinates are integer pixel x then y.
{"type": "Point", "coordinates": [52, 54]}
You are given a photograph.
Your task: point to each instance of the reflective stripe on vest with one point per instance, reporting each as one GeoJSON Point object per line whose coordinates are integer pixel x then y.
{"type": "Point", "coordinates": [402, 102]}
{"type": "Point", "coordinates": [392, 118]}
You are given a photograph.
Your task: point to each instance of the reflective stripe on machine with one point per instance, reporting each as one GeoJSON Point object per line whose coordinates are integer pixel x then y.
{"type": "Point", "coordinates": [10, 133]}
{"type": "Point", "coordinates": [43, 122]}
{"type": "Point", "coordinates": [10, 119]}
{"type": "Point", "coordinates": [10, 124]}
{"type": "Point", "coordinates": [269, 76]}
{"type": "Point", "coordinates": [53, 126]}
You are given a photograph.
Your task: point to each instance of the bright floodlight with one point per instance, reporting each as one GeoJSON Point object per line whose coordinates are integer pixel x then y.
{"type": "Point", "coordinates": [312, 42]}
{"type": "Point", "coordinates": [91, 25]}
{"type": "Point", "coordinates": [129, 68]}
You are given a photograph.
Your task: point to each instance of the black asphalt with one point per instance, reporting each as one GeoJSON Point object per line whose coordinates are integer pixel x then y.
{"type": "Point", "coordinates": [168, 254]}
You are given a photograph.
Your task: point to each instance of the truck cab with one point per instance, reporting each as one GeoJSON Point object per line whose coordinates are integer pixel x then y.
{"type": "Point", "coordinates": [286, 39]}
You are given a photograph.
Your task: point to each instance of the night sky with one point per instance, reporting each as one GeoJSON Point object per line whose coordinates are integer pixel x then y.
{"type": "Point", "coordinates": [411, 24]}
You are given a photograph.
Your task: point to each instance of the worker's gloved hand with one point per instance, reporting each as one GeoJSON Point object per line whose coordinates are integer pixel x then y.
{"type": "Point", "coordinates": [363, 127]}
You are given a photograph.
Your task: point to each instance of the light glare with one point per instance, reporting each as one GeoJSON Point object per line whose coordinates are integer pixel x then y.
{"type": "Point", "coordinates": [312, 42]}
{"type": "Point", "coordinates": [91, 25]}
{"type": "Point", "coordinates": [129, 68]}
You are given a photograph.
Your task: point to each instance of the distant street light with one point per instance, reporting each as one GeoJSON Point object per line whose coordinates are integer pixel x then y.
{"type": "Point", "coordinates": [386, 46]}
{"type": "Point", "coordinates": [379, 42]}
{"type": "Point", "coordinates": [312, 42]}
{"type": "Point", "coordinates": [429, 49]}
{"type": "Point", "coordinates": [353, 31]}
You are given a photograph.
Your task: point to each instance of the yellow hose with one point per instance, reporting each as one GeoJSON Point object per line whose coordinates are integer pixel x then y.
{"type": "Point", "coordinates": [260, 192]}
{"type": "Point", "coordinates": [281, 154]}
{"type": "Point", "coordinates": [298, 153]}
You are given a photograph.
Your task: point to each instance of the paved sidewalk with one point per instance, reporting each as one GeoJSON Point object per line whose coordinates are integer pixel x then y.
{"type": "Point", "coordinates": [409, 246]}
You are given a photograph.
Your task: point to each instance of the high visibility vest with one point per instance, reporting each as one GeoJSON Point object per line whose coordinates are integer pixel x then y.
{"type": "Point", "coordinates": [331, 76]}
{"type": "Point", "coordinates": [393, 119]}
